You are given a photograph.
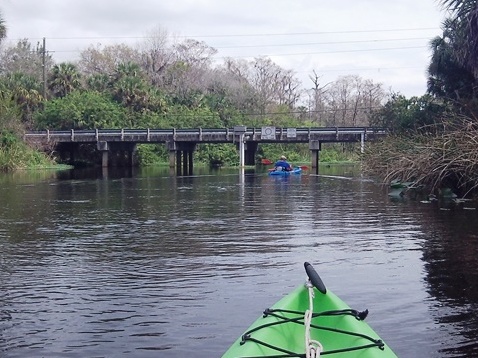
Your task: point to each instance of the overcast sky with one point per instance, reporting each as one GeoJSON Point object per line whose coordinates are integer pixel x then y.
{"type": "Point", "coordinates": [386, 41]}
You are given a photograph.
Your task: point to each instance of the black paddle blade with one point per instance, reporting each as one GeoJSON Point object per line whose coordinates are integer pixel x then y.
{"type": "Point", "coordinates": [315, 278]}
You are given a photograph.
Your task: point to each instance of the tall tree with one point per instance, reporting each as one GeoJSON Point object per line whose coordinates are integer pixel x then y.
{"type": "Point", "coordinates": [195, 53]}
{"type": "Point", "coordinates": [186, 76]}
{"type": "Point", "coordinates": [465, 43]}
{"type": "Point", "coordinates": [447, 77]}
{"type": "Point", "coordinates": [129, 86]}
{"type": "Point", "coordinates": [105, 60]}
{"type": "Point", "coordinates": [64, 79]}
{"type": "Point", "coordinates": [25, 58]}
{"type": "Point", "coordinates": [401, 114]}
{"type": "Point", "coordinates": [230, 87]}
{"type": "Point", "coordinates": [350, 99]}
{"type": "Point", "coordinates": [156, 55]}
{"type": "Point", "coordinates": [99, 82]}
{"type": "Point", "coordinates": [453, 69]}
{"type": "Point", "coordinates": [316, 101]}
{"type": "Point", "coordinates": [3, 28]}
{"type": "Point", "coordinates": [25, 90]}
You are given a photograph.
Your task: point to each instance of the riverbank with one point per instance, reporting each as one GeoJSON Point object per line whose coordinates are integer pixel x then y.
{"type": "Point", "coordinates": [16, 155]}
{"type": "Point", "coordinates": [444, 158]}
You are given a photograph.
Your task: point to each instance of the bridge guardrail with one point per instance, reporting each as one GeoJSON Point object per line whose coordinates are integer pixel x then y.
{"type": "Point", "coordinates": [193, 134]}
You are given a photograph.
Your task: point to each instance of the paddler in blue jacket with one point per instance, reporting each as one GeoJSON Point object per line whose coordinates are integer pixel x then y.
{"type": "Point", "coordinates": [282, 164]}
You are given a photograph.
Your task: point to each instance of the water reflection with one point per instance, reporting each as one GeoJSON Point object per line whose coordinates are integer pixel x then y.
{"type": "Point", "coordinates": [450, 253]}
{"type": "Point", "coordinates": [144, 264]}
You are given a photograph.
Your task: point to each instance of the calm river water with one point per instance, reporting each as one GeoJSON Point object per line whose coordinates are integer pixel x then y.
{"type": "Point", "coordinates": [146, 265]}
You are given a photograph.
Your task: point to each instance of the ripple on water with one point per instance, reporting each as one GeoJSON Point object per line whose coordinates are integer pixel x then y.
{"type": "Point", "coordinates": [153, 267]}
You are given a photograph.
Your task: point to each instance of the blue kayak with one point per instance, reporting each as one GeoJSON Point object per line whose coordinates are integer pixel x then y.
{"type": "Point", "coordinates": [296, 170]}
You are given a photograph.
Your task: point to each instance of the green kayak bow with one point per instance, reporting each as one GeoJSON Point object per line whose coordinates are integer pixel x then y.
{"type": "Point", "coordinates": [310, 322]}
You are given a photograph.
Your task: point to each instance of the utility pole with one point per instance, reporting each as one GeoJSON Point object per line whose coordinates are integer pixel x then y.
{"type": "Point", "coordinates": [44, 67]}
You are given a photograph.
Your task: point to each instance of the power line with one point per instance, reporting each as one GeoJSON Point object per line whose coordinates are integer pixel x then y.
{"type": "Point", "coordinates": [322, 32]}
{"type": "Point", "coordinates": [239, 35]}
{"type": "Point", "coordinates": [330, 52]}
{"type": "Point", "coordinates": [289, 44]}
{"type": "Point", "coordinates": [325, 43]}
{"type": "Point", "coordinates": [378, 69]}
{"type": "Point", "coordinates": [76, 38]}
{"type": "Point", "coordinates": [291, 54]}
{"type": "Point", "coordinates": [282, 45]}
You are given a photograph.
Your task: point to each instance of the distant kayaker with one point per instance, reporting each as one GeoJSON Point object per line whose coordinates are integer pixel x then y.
{"type": "Point", "coordinates": [282, 164]}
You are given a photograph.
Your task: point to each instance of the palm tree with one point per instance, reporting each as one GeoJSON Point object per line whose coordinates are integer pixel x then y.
{"type": "Point", "coordinates": [128, 69]}
{"type": "Point", "coordinates": [129, 86]}
{"type": "Point", "coordinates": [64, 79]}
{"type": "Point", "coordinates": [25, 90]}
{"type": "Point", "coordinates": [465, 19]}
{"type": "Point", "coordinates": [3, 28]}
{"type": "Point", "coordinates": [448, 77]}
{"type": "Point", "coordinates": [131, 92]}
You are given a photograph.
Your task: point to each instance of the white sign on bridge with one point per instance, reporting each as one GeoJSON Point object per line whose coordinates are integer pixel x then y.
{"type": "Point", "coordinates": [268, 133]}
{"type": "Point", "coordinates": [291, 133]}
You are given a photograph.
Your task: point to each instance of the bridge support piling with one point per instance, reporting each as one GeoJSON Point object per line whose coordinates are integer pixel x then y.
{"type": "Point", "coordinates": [116, 154]}
{"type": "Point", "coordinates": [250, 153]}
{"type": "Point", "coordinates": [241, 151]}
{"type": "Point", "coordinates": [178, 162]}
{"type": "Point", "coordinates": [181, 157]}
{"type": "Point", "coordinates": [102, 146]}
{"type": "Point", "coordinates": [247, 153]}
{"type": "Point", "coordinates": [239, 132]}
{"type": "Point", "coordinates": [184, 162]}
{"type": "Point", "coordinates": [188, 162]}
{"type": "Point", "coordinates": [104, 159]}
{"type": "Point", "coordinates": [130, 158]}
{"type": "Point", "coordinates": [315, 146]}
{"type": "Point", "coordinates": [172, 158]}
{"type": "Point", "coordinates": [315, 161]}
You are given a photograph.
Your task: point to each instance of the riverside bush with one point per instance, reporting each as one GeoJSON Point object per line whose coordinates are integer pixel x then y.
{"type": "Point", "coordinates": [20, 156]}
{"type": "Point", "coordinates": [435, 157]}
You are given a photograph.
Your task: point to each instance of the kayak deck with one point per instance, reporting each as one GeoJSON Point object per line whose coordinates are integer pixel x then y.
{"type": "Point", "coordinates": [285, 172]}
{"type": "Point", "coordinates": [280, 332]}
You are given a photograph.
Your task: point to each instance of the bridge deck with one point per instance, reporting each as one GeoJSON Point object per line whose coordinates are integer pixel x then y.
{"type": "Point", "coordinates": [181, 143]}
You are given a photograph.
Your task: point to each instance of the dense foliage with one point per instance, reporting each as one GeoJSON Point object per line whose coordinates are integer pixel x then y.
{"type": "Point", "coordinates": [445, 156]}
{"type": "Point", "coordinates": [14, 153]}
{"type": "Point", "coordinates": [160, 83]}
{"type": "Point", "coordinates": [435, 136]}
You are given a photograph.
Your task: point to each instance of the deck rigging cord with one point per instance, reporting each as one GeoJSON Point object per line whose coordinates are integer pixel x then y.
{"type": "Point", "coordinates": [313, 347]}
{"type": "Point", "coordinates": [284, 316]}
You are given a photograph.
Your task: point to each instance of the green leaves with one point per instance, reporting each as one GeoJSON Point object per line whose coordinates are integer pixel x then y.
{"type": "Point", "coordinates": [8, 139]}
{"type": "Point", "coordinates": [402, 114]}
{"type": "Point", "coordinates": [82, 110]}
{"type": "Point", "coordinates": [453, 71]}
{"type": "Point", "coordinates": [15, 154]}
{"type": "Point", "coordinates": [64, 79]}
{"type": "Point", "coordinates": [3, 28]}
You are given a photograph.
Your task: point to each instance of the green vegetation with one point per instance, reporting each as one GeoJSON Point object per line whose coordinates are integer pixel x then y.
{"type": "Point", "coordinates": [443, 157]}
{"type": "Point", "coordinates": [166, 84]}
{"type": "Point", "coordinates": [14, 154]}
{"type": "Point", "coordinates": [161, 83]}
{"type": "Point", "coordinates": [434, 137]}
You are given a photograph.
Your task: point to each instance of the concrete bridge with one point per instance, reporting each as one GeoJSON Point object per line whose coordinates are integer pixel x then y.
{"type": "Point", "coordinates": [118, 145]}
